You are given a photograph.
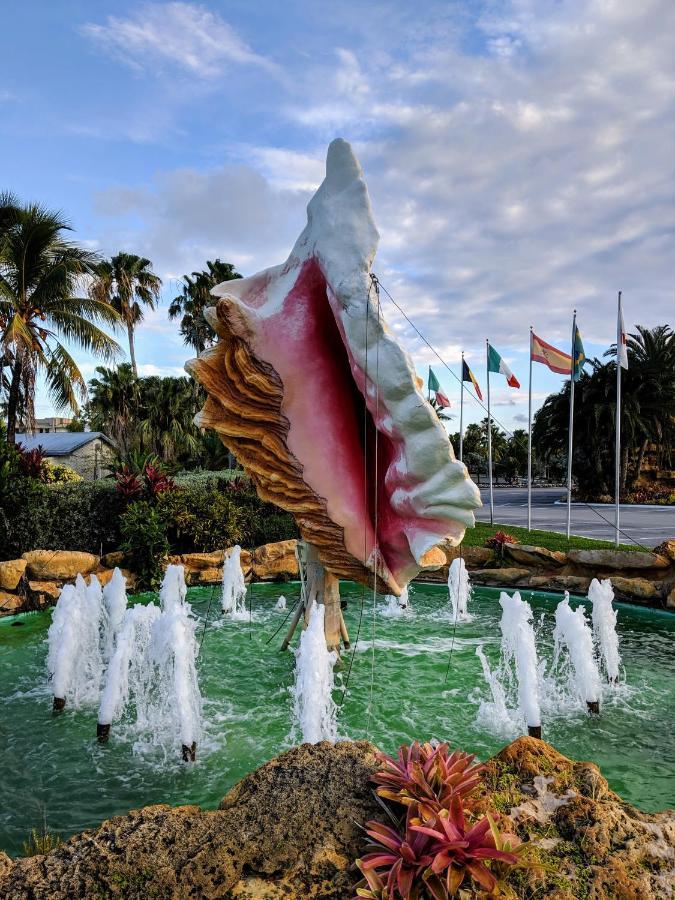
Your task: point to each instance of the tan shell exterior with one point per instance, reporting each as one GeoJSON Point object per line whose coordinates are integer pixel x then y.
{"type": "Point", "coordinates": [244, 408]}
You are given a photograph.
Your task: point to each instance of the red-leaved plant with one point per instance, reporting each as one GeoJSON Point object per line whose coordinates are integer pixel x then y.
{"type": "Point", "coordinates": [151, 483]}
{"type": "Point", "coordinates": [31, 462]}
{"type": "Point", "coordinates": [436, 846]}
{"type": "Point", "coordinates": [128, 485]}
{"type": "Point", "coordinates": [157, 481]}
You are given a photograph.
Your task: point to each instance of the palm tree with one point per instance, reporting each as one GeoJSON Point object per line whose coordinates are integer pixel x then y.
{"type": "Point", "coordinates": [194, 298]}
{"type": "Point", "coordinates": [647, 414]}
{"type": "Point", "coordinates": [114, 397]}
{"type": "Point", "coordinates": [440, 410]}
{"type": "Point", "coordinates": [165, 418]}
{"type": "Point", "coordinates": [127, 282]}
{"type": "Point", "coordinates": [40, 273]}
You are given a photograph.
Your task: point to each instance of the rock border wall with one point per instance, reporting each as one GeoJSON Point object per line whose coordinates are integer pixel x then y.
{"type": "Point", "coordinates": [644, 578]}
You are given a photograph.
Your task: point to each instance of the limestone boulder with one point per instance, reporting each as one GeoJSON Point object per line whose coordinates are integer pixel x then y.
{"type": "Point", "coordinates": [537, 557]}
{"type": "Point", "coordinates": [10, 603]}
{"type": "Point", "coordinates": [575, 584]}
{"type": "Point", "coordinates": [670, 599]}
{"type": "Point", "coordinates": [206, 576]}
{"type": "Point", "coordinates": [11, 572]}
{"type": "Point", "coordinates": [113, 560]}
{"type": "Point", "coordinates": [104, 575]}
{"type": "Point", "coordinates": [617, 559]}
{"type": "Point", "coordinates": [507, 575]}
{"type": "Point", "coordinates": [46, 590]}
{"type": "Point", "coordinates": [59, 565]}
{"type": "Point", "coordinates": [635, 588]}
{"type": "Point", "coordinates": [277, 560]}
{"type": "Point", "coordinates": [474, 557]}
{"type": "Point", "coordinates": [667, 550]}
{"type": "Point", "coordinates": [203, 560]}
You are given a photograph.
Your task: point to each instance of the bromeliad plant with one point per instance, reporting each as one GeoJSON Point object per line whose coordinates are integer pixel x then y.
{"type": "Point", "coordinates": [436, 846]}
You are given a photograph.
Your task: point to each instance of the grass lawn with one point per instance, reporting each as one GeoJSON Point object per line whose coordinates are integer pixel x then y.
{"type": "Point", "coordinates": [551, 540]}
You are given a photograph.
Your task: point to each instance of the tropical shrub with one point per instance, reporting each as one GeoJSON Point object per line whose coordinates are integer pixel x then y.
{"type": "Point", "coordinates": [31, 462]}
{"type": "Point", "coordinates": [499, 540]}
{"type": "Point", "coordinates": [438, 843]}
{"type": "Point", "coordinates": [202, 520]}
{"type": "Point", "coordinates": [143, 529]}
{"type": "Point", "coordinates": [201, 513]}
{"type": "Point", "coordinates": [55, 473]}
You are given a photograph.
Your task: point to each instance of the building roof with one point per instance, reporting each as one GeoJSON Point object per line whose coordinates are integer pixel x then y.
{"type": "Point", "coordinates": [61, 443]}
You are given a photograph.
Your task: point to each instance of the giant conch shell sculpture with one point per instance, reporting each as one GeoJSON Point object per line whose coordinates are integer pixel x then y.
{"type": "Point", "coordinates": [372, 485]}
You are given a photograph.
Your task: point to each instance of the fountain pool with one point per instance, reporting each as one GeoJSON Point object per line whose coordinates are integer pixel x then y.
{"type": "Point", "coordinates": [54, 771]}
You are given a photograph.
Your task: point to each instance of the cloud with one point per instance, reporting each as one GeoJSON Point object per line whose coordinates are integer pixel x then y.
{"type": "Point", "coordinates": [167, 35]}
{"type": "Point", "coordinates": [187, 216]}
{"type": "Point", "coordinates": [519, 178]}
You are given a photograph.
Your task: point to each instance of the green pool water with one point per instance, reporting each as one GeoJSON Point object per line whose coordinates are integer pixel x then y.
{"type": "Point", "coordinates": [54, 772]}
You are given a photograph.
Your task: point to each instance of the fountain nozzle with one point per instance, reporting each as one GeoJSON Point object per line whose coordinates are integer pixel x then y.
{"type": "Point", "coordinates": [534, 731]}
{"type": "Point", "coordinates": [102, 732]}
{"type": "Point", "coordinates": [58, 705]}
{"type": "Point", "coordinates": [593, 707]}
{"type": "Point", "coordinates": [189, 752]}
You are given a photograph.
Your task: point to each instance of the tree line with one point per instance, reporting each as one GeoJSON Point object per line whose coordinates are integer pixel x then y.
{"type": "Point", "coordinates": [55, 294]}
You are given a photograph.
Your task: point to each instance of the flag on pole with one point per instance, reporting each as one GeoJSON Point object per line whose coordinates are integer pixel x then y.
{"type": "Point", "coordinates": [467, 375]}
{"type": "Point", "coordinates": [550, 356]}
{"type": "Point", "coordinates": [433, 384]}
{"type": "Point", "coordinates": [579, 355]}
{"type": "Point", "coordinates": [497, 364]}
{"type": "Point", "coordinates": [621, 340]}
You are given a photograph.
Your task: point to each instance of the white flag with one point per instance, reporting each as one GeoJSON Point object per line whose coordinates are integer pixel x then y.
{"type": "Point", "coordinates": [621, 346]}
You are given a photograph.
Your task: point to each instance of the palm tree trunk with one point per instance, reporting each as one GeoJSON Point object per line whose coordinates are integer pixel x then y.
{"type": "Point", "coordinates": [638, 463]}
{"type": "Point", "coordinates": [132, 350]}
{"type": "Point", "coordinates": [13, 400]}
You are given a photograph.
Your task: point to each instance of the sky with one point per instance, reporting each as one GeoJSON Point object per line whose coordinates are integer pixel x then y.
{"type": "Point", "coordinates": [519, 155]}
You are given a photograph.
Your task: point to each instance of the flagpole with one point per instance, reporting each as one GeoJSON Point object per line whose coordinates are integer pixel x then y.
{"type": "Point", "coordinates": [489, 435]}
{"type": "Point", "coordinates": [529, 445]}
{"type": "Point", "coordinates": [571, 428]}
{"type": "Point", "coordinates": [461, 414]}
{"type": "Point", "coordinates": [617, 442]}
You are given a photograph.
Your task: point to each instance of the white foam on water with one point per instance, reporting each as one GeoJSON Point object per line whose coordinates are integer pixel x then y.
{"type": "Point", "coordinates": [281, 603]}
{"type": "Point", "coordinates": [128, 674]}
{"type": "Point", "coordinates": [519, 651]}
{"type": "Point", "coordinates": [74, 657]}
{"type": "Point", "coordinates": [459, 590]}
{"type": "Point", "coordinates": [494, 715]}
{"type": "Point", "coordinates": [601, 595]}
{"type": "Point", "coordinates": [153, 673]}
{"type": "Point", "coordinates": [114, 607]}
{"type": "Point", "coordinates": [314, 710]}
{"type": "Point", "coordinates": [573, 635]}
{"type": "Point", "coordinates": [396, 606]}
{"type": "Point", "coordinates": [233, 599]}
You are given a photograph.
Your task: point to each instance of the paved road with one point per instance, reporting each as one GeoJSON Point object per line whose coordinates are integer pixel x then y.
{"type": "Point", "coordinates": [648, 526]}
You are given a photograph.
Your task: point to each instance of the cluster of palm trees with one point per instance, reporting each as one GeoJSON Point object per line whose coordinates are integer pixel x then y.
{"type": "Point", "coordinates": [647, 415]}
{"type": "Point", "coordinates": [55, 296]}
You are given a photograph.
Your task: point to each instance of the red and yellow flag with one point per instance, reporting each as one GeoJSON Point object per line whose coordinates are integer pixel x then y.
{"type": "Point", "coordinates": [550, 356]}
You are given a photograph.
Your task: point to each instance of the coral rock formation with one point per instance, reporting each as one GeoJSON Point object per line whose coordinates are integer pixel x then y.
{"type": "Point", "coordinates": [291, 829]}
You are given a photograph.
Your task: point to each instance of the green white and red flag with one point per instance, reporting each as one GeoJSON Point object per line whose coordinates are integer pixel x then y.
{"type": "Point", "coordinates": [433, 384]}
{"type": "Point", "coordinates": [497, 364]}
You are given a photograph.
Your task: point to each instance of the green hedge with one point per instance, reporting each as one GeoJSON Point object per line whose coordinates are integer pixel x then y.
{"type": "Point", "coordinates": [204, 513]}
